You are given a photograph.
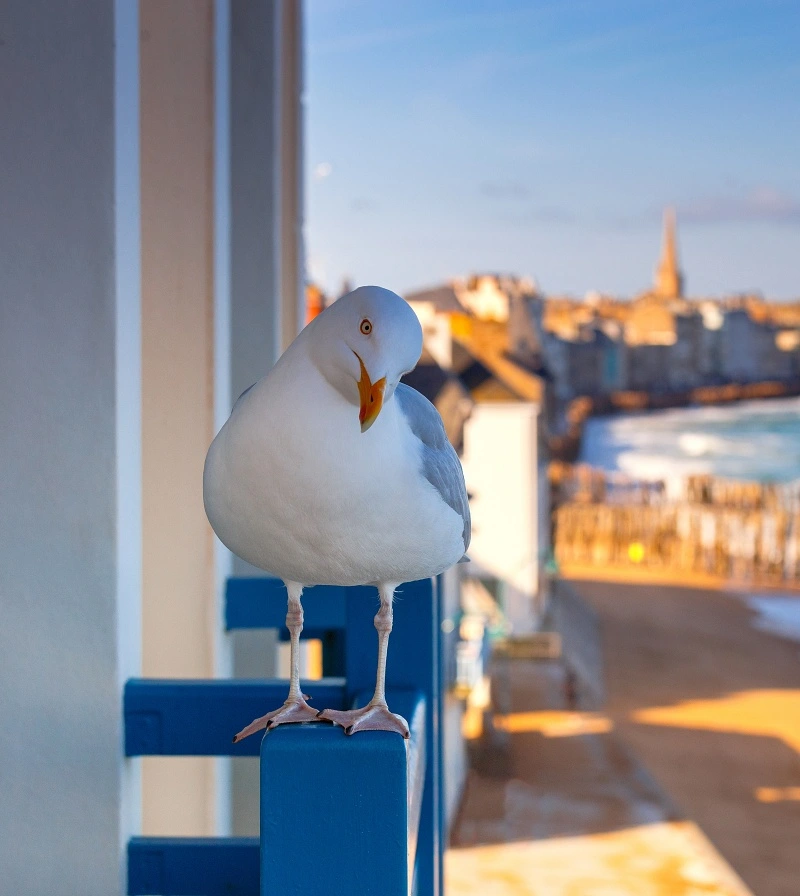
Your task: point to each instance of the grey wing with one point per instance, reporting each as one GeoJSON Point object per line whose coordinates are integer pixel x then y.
{"type": "Point", "coordinates": [440, 463]}
{"type": "Point", "coordinates": [242, 396]}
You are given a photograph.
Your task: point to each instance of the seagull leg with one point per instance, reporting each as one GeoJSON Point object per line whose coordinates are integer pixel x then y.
{"type": "Point", "coordinates": [295, 708]}
{"type": "Point", "coordinates": [375, 716]}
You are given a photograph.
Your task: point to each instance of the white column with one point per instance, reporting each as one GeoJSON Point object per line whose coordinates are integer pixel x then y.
{"type": "Point", "coordinates": [69, 440]}
{"type": "Point", "coordinates": [267, 284]}
{"type": "Point", "coordinates": [128, 422]}
{"type": "Point", "coordinates": [180, 617]}
{"type": "Point", "coordinates": [290, 68]}
{"type": "Point", "coordinates": [223, 559]}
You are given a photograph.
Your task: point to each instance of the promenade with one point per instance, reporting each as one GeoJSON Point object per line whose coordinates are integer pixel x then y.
{"type": "Point", "coordinates": [561, 807]}
{"type": "Point", "coordinates": [711, 706]}
{"type": "Point", "coordinates": [686, 783]}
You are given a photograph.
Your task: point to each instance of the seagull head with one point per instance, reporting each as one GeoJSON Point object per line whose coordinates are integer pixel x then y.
{"type": "Point", "coordinates": [363, 344]}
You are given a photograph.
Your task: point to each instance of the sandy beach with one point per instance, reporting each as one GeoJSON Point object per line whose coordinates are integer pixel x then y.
{"type": "Point", "coordinates": [648, 577]}
{"type": "Point", "coordinates": [711, 707]}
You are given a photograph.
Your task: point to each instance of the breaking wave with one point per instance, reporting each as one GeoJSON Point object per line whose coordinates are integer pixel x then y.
{"type": "Point", "coordinates": [755, 440]}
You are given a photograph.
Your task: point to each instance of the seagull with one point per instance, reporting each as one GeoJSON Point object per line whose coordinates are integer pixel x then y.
{"type": "Point", "coordinates": [331, 471]}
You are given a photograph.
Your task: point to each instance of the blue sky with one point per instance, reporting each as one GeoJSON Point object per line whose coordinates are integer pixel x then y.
{"type": "Point", "coordinates": [545, 138]}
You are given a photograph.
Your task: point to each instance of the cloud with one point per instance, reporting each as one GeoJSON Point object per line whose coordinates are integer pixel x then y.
{"type": "Point", "coordinates": [362, 204]}
{"type": "Point", "coordinates": [553, 214]}
{"type": "Point", "coordinates": [762, 203]}
{"type": "Point", "coordinates": [539, 214]}
{"type": "Point", "coordinates": [505, 190]}
{"type": "Point", "coordinates": [322, 170]}
{"type": "Point", "coordinates": [517, 207]}
{"type": "Point", "coordinates": [424, 27]}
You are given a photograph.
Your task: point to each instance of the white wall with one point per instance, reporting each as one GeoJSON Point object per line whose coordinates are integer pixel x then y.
{"type": "Point", "coordinates": [71, 369]}
{"type": "Point", "coordinates": [179, 598]}
{"type": "Point", "coordinates": [501, 469]}
{"type": "Point", "coordinates": [266, 288]}
{"type": "Point", "coordinates": [437, 335]}
{"type": "Point", "coordinates": [68, 486]}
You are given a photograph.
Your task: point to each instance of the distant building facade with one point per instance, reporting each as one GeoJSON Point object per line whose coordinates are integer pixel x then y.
{"type": "Point", "coordinates": [663, 342]}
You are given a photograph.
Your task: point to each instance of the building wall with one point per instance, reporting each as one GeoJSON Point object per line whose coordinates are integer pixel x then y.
{"type": "Point", "coordinates": [89, 362]}
{"type": "Point", "coordinates": [501, 470]}
{"type": "Point", "coordinates": [485, 298]}
{"type": "Point", "coordinates": [255, 193]}
{"type": "Point", "coordinates": [709, 357]}
{"type": "Point", "coordinates": [775, 364]}
{"type": "Point", "coordinates": [740, 359]}
{"type": "Point", "coordinates": [585, 364]}
{"type": "Point", "coordinates": [177, 194]}
{"type": "Point", "coordinates": [262, 314]}
{"type": "Point", "coordinates": [69, 551]}
{"type": "Point", "coordinates": [685, 367]}
{"type": "Point", "coordinates": [648, 367]}
{"type": "Point", "coordinates": [289, 27]}
{"type": "Point", "coordinates": [266, 290]}
{"type": "Point", "coordinates": [556, 360]}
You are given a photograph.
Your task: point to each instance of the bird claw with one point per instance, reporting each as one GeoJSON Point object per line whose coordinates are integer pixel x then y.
{"type": "Point", "coordinates": [370, 718]}
{"type": "Point", "coordinates": [291, 711]}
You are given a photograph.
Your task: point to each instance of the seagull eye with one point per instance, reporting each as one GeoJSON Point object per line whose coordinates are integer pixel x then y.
{"type": "Point", "coordinates": [366, 326]}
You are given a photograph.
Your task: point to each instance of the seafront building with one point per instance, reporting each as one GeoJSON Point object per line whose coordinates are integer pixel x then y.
{"type": "Point", "coordinates": [500, 431]}
{"type": "Point", "coordinates": [497, 350]}
{"type": "Point", "coordinates": [662, 341]}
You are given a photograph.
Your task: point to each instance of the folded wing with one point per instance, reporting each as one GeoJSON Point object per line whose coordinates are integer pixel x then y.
{"type": "Point", "coordinates": [440, 463]}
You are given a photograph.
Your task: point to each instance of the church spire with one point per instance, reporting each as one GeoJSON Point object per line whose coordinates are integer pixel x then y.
{"type": "Point", "coordinates": [669, 280]}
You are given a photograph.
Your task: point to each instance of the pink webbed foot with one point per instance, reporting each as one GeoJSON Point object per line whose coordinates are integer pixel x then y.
{"type": "Point", "coordinates": [291, 711]}
{"type": "Point", "coordinates": [371, 718]}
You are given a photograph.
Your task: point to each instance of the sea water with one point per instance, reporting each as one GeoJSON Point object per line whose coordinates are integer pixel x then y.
{"type": "Point", "coordinates": [778, 614]}
{"type": "Point", "coordinates": [753, 440]}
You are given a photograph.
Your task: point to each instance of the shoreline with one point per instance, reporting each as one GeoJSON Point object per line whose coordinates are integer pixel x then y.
{"type": "Point", "coordinates": [701, 396]}
{"type": "Point", "coordinates": [567, 446]}
{"type": "Point", "coordinates": [625, 575]}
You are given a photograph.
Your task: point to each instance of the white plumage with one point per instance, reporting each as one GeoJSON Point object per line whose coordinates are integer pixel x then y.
{"type": "Point", "coordinates": [325, 474]}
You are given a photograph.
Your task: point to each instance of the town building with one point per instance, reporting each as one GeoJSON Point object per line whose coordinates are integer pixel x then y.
{"type": "Point", "coordinates": [669, 279]}
{"type": "Point", "coordinates": [486, 331]}
{"type": "Point", "coordinates": [662, 342]}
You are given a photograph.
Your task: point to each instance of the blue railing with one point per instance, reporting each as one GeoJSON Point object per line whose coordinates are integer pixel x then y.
{"type": "Point", "coordinates": [366, 810]}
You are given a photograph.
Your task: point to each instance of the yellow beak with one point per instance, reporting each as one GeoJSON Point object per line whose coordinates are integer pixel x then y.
{"type": "Point", "coordinates": [371, 395]}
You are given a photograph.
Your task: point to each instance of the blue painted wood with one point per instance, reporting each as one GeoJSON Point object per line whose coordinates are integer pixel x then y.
{"type": "Point", "coordinates": [417, 773]}
{"type": "Point", "coordinates": [414, 661]}
{"type": "Point", "coordinates": [437, 738]}
{"type": "Point", "coordinates": [260, 602]}
{"type": "Point", "coordinates": [333, 653]}
{"type": "Point", "coordinates": [339, 813]}
{"type": "Point", "coordinates": [199, 718]}
{"type": "Point", "coordinates": [193, 866]}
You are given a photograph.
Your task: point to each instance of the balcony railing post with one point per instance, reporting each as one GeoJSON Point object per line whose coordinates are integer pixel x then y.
{"type": "Point", "coordinates": [361, 813]}
{"type": "Point", "coordinates": [414, 662]}
{"type": "Point", "coordinates": [334, 812]}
